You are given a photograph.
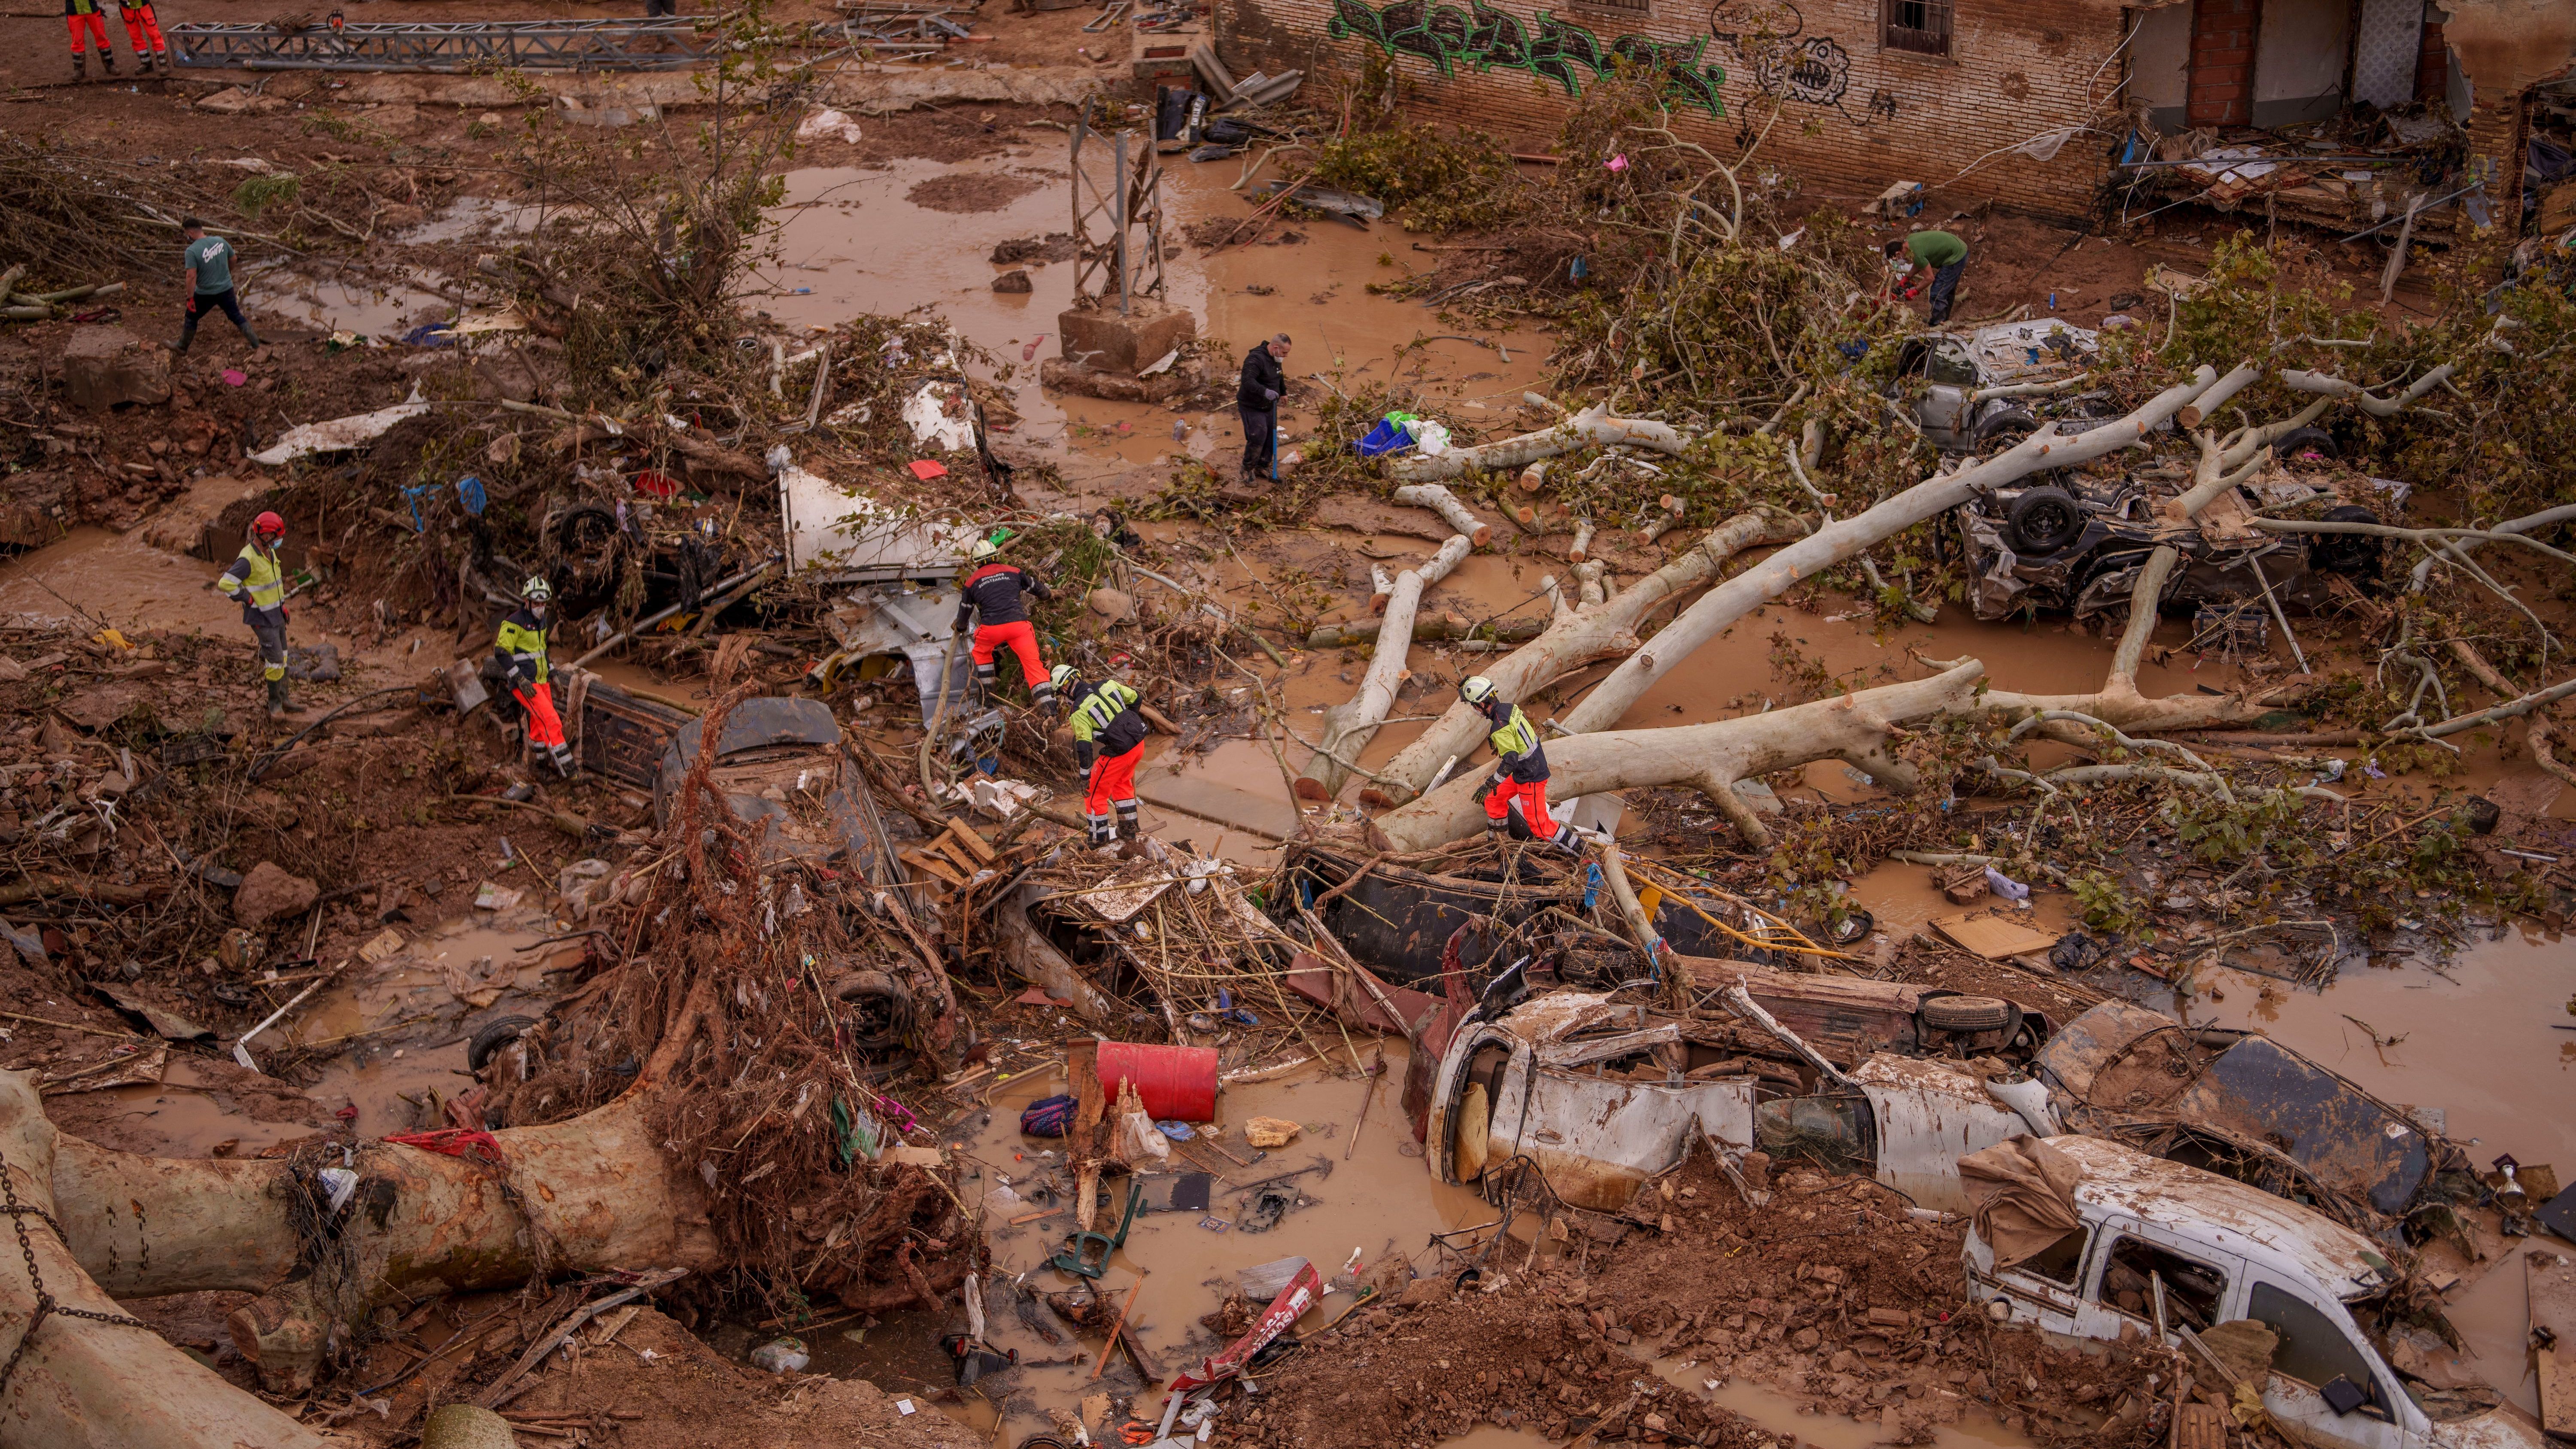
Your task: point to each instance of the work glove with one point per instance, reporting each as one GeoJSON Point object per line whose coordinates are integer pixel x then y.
{"type": "Point", "coordinates": [1084, 751]}
{"type": "Point", "coordinates": [1271, 393]}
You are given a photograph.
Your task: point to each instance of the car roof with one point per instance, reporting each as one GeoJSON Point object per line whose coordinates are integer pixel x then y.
{"type": "Point", "coordinates": [764, 721]}
{"type": "Point", "coordinates": [2266, 1231]}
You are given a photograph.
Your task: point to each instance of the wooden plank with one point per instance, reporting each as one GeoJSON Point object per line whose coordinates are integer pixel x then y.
{"type": "Point", "coordinates": [934, 865]}
{"type": "Point", "coordinates": [967, 837]}
{"type": "Point", "coordinates": [2200, 1426]}
{"type": "Point", "coordinates": [967, 864]}
{"type": "Point", "coordinates": [1993, 937]}
{"type": "Point", "coordinates": [2550, 1278]}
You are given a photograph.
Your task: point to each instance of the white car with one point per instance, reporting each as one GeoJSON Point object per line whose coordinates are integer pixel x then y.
{"type": "Point", "coordinates": [2165, 1247]}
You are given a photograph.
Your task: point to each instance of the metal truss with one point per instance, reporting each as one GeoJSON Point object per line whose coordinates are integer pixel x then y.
{"type": "Point", "coordinates": [656, 44]}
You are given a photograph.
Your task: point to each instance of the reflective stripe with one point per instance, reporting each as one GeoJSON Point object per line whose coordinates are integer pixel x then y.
{"type": "Point", "coordinates": [267, 585]}
{"type": "Point", "coordinates": [1107, 700]}
{"type": "Point", "coordinates": [1516, 737]}
{"type": "Point", "coordinates": [528, 646]}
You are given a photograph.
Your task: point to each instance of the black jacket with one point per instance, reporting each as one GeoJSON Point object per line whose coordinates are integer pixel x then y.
{"type": "Point", "coordinates": [1263, 381]}
{"type": "Point", "coordinates": [994, 592]}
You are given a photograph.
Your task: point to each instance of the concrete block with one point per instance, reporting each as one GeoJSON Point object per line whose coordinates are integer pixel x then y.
{"type": "Point", "coordinates": [1058, 375]}
{"type": "Point", "coordinates": [1100, 339]}
{"type": "Point", "coordinates": [106, 366]}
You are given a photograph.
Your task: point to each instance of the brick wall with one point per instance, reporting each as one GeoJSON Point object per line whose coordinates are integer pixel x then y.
{"type": "Point", "coordinates": [1858, 116]}
{"type": "Point", "coordinates": [2222, 62]}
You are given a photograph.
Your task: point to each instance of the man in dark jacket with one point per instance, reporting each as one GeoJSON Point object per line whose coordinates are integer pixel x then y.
{"type": "Point", "coordinates": [1257, 399]}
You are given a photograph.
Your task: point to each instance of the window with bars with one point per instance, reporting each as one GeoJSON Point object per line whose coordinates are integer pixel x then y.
{"type": "Point", "coordinates": [1625, 7]}
{"type": "Point", "coordinates": [1921, 27]}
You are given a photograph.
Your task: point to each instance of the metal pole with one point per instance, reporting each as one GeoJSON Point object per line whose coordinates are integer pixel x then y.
{"type": "Point", "coordinates": [1118, 217]}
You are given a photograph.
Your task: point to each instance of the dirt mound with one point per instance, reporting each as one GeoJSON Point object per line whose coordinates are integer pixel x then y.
{"type": "Point", "coordinates": [962, 193]}
{"type": "Point", "coordinates": [1055, 246]}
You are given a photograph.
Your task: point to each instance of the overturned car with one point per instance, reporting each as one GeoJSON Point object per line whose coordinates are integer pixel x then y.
{"type": "Point", "coordinates": [1986, 390]}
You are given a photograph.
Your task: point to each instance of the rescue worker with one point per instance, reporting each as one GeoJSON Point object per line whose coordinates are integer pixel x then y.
{"type": "Point", "coordinates": [521, 648]}
{"type": "Point", "coordinates": [88, 22]}
{"type": "Point", "coordinates": [1520, 767]}
{"type": "Point", "coordinates": [143, 28]}
{"type": "Point", "coordinates": [1108, 741]}
{"type": "Point", "coordinates": [257, 582]}
{"type": "Point", "coordinates": [990, 597]}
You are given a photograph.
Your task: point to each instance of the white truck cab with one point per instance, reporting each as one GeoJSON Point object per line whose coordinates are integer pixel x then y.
{"type": "Point", "coordinates": [2214, 1250]}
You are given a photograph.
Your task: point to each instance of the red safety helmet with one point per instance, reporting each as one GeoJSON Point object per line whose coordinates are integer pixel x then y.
{"type": "Point", "coordinates": [268, 525]}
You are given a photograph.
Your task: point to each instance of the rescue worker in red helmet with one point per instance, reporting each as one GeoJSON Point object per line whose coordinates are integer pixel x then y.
{"type": "Point", "coordinates": [257, 581]}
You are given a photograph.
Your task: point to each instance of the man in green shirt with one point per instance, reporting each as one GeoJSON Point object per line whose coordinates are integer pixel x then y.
{"type": "Point", "coordinates": [209, 261]}
{"type": "Point", "coordinates": [1945, 255]}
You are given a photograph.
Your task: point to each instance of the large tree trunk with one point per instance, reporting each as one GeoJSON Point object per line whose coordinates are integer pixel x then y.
{"type": "Point", "coordinates": [86, 1382]}
{"type": "Point", "coordinates": [1827, 546]}
{"type": "Point", "coordinates": [1584, 429]}
{"type": "Point", "coordinates": [1709, 757]}
{"type": "Point", "coordinates": [1350, 727]}
{"type": "Point", "coordinates": [1575, 637]}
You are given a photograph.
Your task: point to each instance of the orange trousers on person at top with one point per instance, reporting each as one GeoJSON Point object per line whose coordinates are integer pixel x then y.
{"type": "Point", "coordinates": [1533, 798]}
{"type": "Point", "coordinates": [1021, 637]}
{"type": "Point", "coordinates": [95, 25]}
{"type": "Point", "coordinates": [142, 25]}
{"type": "Point", "coordinates": [545, 727]}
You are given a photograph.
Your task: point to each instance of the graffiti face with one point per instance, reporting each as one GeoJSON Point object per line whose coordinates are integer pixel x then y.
{"type": "Point", "coordinates": [1815, 71]}
{"type": "Point", "coordinates": [1762, 23]}
{"type": "Point", "coordinates": [1547, 47]}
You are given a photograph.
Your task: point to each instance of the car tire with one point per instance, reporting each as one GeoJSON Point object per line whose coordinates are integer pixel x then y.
{"type": "Point", "coordinates": [882, 1007]}
{"type": "Point", "coordinates": [1966, 1014]}
{"type": "Point", "coordinates": [492, 1036]}
{"type": "Point", "coordinates": [2354, 555]}
{"type": "Point", "coordinates": [2297, 439]}
{"type": "Point", "coordinates": [2043, 520]}
{"type": "Point", "coordinates": [2004, 429]}
{"type": "Point", "coordinates": [1854, 928]}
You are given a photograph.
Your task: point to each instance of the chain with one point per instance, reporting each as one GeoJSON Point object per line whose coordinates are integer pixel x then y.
{"type": "Point", "coordinates": [45, 1305]}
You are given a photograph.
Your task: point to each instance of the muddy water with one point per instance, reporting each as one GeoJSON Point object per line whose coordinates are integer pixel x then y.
{"type": "Point", "coordinates": [117, 577]}
{"type": "Point", "coordinates": [853, 241]}
{"type": "Point", "coordinates": [2475, 1041]}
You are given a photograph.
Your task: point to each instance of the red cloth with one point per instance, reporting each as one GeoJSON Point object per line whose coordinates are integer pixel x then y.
{"type": "Point", "coordinates": [1533, 798]}
{"type": "Point", "coordinates": [1022, 636]}
{"type": "Point", "coordinates": [97, 25]}
{"type": "Point", "coordinates": [454, 1142]}
{"type": "Point", "coordinates": [1113, 777]}
{"type": "Point", "coordinates": [141, 25]}
{"type": "Point", "coordinates": [545, 727]}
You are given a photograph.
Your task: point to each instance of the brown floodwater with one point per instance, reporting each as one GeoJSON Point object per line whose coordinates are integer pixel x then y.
{"type": "Point", "coordinates": [118, 577]}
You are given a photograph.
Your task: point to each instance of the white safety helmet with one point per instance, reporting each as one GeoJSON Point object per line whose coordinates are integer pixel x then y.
{"type": "Point", "coordinates": [1063, 678]}
{"type": "Point", "coordinates": [1475, 689]}
{"type": "Point", "coordinates": [536, 591]}
{"type": "Point", "coordinates": [984, 548]}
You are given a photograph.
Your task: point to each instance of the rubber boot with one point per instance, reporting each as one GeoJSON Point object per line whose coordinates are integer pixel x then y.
{"type": "Point", "coordinates": [1497, 832]}
{"type": "Point", "coordinates": [249, 336]}
{"type": "Point", "coordinates": [80, 65]}
{"type": "Point", "coordinates": [561, 756]}
{"type": "Point", "coordinates": [161, 63]}
{"type": "Point", "coordinates": [1103, 833]}
{"type": "Point", "coordinates": [107, 62]}
{"type": "Point", "coordinates": [1127, 827]}
{"type": "Point", "coordinates": [279, 706]}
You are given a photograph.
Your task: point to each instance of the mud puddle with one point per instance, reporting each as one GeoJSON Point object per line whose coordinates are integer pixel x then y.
{"type": "Point", "coordinates": [2471, 1038]}
{"type": "Point", "coordinates": [92, 574]}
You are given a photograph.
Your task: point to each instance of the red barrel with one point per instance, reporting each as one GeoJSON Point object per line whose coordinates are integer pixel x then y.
{"type": "Point", "coordinates": [1176, 1083]}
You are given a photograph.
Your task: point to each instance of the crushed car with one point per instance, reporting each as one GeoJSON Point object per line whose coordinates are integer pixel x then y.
{"type": "Point", "coordinates": [781, 770]}
{"type": "Point", "coordinates": [2095, 1240]}
{"type": "Point", "coordinates": [2076, 541]}
{"type": "Point", "coordinates": [1986, 390]}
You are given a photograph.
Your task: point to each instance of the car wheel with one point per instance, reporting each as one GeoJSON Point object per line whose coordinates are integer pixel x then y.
{"type": "Point", "coordinates": [1966, 1013]}
{"type": "Point", "coordinates": [2043, 520]}
{"type": "Point", "coordinates": [1853, 928]}
{"type": "Point", "coordinates": [2353, 554]}
{"type": "Point", "coordinates": [2004, 429]}
{"type": "Point", "coordinates": [879, 1009]}
{"type": "Point", "coordinates": [492, 1036]}
{"type": "Point", "coordinates": [2302, 440]}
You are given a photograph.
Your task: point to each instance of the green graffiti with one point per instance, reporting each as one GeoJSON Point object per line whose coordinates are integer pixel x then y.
{"type": "Point", "coordinates": [1552, 49]}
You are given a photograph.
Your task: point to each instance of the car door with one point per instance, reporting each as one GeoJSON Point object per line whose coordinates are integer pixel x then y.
{"type": "Point", "coordinates": [2319, 1345]}
{"type": "Point", "coordinates": [2047, 1290]}
{"type": "Point", "coordinates": [2130, 1263]}
{"type": "Point", "coordinates": [1952, 383]}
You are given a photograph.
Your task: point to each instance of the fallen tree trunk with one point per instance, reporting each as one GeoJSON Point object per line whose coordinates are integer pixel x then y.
{"type": "Point", "coordinates": [1574, 638]}
{"type": "Point", "coordinates": [1854, 728]}
{"type": "Point", "coordinates": [1592, 426]}
{"type": "Point", "coordinates": [1452, 512]}
{"type": "Point", "coordinates": [82, 1380]}
{"type": "Point", "coordinates": [1737, 597]}
{"type": "Point", "coordinates": [1350, 727]}
{"type": "Point", "coordinates": [1427, 631]}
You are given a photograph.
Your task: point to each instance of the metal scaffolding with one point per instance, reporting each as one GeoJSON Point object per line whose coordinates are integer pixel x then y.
{"type": "Point", "coordinates": [657, 44]}
{"type": "Point", "coordinates": [1105, 222]}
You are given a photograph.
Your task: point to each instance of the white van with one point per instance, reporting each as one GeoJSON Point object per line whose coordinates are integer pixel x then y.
{"type": "Point", "coordinates": [2222, 1251]}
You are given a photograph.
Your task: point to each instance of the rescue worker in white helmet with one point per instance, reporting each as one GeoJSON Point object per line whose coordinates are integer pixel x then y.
{"type": "Point", "coordinates": [257, 582]}
{"type": "Point", "coordinates": [990, 598]}
{"type": "Point", "coordinates": [521, 648]}
{"type": "Point", "coordinates": [1520, 767]}
{"type": "Point", "coordinates": [1108, 741]}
